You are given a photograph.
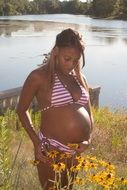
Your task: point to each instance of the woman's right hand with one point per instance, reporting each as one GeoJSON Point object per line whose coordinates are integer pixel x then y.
{"type": "Point", "coordinates": [41, 153]}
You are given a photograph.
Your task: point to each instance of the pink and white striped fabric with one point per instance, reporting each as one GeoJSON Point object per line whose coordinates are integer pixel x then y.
{"type": "Point", "coordinates": [61, 96]}
{"type": "Point", "coordinates": [56, 144]}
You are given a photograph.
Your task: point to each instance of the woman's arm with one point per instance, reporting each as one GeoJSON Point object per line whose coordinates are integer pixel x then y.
{"type": "Point", "coordinates": [29, 91]}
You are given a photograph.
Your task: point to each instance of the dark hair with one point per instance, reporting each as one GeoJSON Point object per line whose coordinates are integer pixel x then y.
{"type": "Point", "coordinates": [67, 38]}
{"type": "Point", "coordinates": [70, 38]}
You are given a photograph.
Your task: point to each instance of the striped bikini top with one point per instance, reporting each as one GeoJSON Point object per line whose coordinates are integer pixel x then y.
{"type": "Point", "coordinates": [61, 96]}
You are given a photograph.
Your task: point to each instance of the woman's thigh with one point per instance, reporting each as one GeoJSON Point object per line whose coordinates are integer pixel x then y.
{"type": "Point", "coordinates": [45, 174]}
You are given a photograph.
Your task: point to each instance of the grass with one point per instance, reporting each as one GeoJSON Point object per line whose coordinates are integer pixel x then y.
{"type": "Point", "coordinates": [109, 143]}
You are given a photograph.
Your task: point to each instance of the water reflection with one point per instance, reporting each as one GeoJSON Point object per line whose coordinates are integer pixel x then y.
{"type": "Point", "coordinates": [7, 27]}
{"type": "Point", "coordinates": [110, 35]}
{"type": "Point", "coordinates": [22, 43]}
{"type": "Point", "coordinates": [10, 28]}
{"type": "Point", "coordinates": [124, 40]}
{"type": "Point", "coordinates": [109, 40]}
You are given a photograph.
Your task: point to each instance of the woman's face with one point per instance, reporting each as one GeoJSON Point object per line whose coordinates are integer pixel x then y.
{"type": "Point", "coordinates": [67, 58]}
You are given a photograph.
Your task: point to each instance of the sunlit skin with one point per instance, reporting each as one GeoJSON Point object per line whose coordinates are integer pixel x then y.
{"type": "Point", "coordinates": [68, 58]}
{"type": "Point", "coordinates": [67, 124]}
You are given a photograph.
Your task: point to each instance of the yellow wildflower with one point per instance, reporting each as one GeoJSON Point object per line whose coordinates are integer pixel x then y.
{"type": "Point", "coordinates": [85, 165]}
{"type": "Point", "coordinates": [75, 168]}
{"type": "Point", "coordinates": [79, 181]}
{"type": "Point", "coordinates": [91, 177]}
{"type": "Point", "coordinates": [104, 179]}
{"type": "Point", "coordinates": [80, 159]}
{"type": "Point", "coordinates": [110, 166]}
{"type": "Point", "coordinates": [124, 181]}
{"type": "Point", "coordinates": [52, 154]}
{"type": "Point", "coordinates": [73, 145]}
{"type": "Point", "coordinates": [93, 165]}
{"type": "Point", "coordinates": [98, 177]}
{"type": "Point", "coordinates": [65, 155]}
{"type": "Point", "coordinates": [92, 158]}
{"type": "Point", "coordinates": [102, 163]}
{"type": "Point", "coordinates": [106, 165]}
{"type": "Point", "coordinates": [59, 167]}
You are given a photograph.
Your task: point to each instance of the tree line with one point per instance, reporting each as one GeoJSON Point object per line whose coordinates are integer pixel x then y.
{"type": "Point", "coordinates": [95, 8]}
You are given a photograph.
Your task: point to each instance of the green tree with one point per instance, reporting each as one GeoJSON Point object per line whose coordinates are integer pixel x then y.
{"type": "Point", "coordinates": [120, 9]}
{"type": "Point", "coordinates": [46, 6]}
{"type": "Point", "coordinates": [14, 7]}
{"type": "Point", "coordinates": [52, 6]}
{"type": "Point", "coordinates": [1, 7]}
{"type": "Point", "coordinates": [39, 6]}
{"type": "Point", "coordinates": [103, 8]}
{"type": "Point", "coordinates": [22, 6]}
{"type": "Point", "coordinates": [88, 8]}
{"type": "Point", "coordinates": [72, 6]}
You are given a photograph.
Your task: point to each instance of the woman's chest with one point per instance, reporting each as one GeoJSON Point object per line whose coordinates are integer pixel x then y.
{"type": "Point", "coordinates": [43, 96]}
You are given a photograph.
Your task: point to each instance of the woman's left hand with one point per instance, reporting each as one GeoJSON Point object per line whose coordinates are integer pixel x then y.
{"type": "Point", "coordinates": [82, 146]}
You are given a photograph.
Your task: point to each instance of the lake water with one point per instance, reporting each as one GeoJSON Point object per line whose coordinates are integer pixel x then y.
{"type": "Point", "coordinates": [24, 39]}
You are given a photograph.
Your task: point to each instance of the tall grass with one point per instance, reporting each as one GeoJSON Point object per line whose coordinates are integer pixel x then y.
{"type": "Point", "coordinates": [4, 156]}
{"type": "Point", "coordinates": [110, 135]}
{"type": "Point", "coordinates": [109, 143]}
{"type": "Point", "coordinates": [15, 150]}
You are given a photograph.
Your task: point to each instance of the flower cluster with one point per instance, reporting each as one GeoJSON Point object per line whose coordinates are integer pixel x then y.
{"type": "Point", "coordinates": [88, 172]}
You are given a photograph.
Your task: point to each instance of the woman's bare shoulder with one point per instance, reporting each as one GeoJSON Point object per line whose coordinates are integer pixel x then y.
{"type": "Point", "coordinates": [38, 75]}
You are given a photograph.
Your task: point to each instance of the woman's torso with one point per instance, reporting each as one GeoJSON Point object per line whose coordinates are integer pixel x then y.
{"type": "Point", "coordinates": [68, 123]}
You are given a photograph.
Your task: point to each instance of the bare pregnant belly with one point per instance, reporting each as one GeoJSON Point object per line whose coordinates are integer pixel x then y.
{"type": "Point", "coordinates": [67, 124]}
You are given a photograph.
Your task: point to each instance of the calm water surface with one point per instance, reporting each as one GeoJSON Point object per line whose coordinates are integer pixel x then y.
{"type": "Point", "coordinates": [24, 39]}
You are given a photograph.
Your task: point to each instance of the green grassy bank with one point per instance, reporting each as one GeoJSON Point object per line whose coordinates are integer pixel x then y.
{"type": "Point", "coordinates": [109, 144]}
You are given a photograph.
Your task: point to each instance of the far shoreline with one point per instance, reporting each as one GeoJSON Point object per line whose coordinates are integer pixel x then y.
{"type": "Point", "coordinates": [116, 17]}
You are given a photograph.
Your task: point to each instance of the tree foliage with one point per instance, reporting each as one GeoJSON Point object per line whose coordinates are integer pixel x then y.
{"type": "Point", "coordinates": [107, 8]}
{"type": "Point", "coordinates": [120, 9]}
{"type": "Point", "coordinates": [103, 7]}
{"type": "Point", "coordinates": [96, 8]}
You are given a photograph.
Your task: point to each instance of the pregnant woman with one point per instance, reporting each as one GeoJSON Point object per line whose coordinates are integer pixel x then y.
{"type": "Point", "coordinates": [63, 99]}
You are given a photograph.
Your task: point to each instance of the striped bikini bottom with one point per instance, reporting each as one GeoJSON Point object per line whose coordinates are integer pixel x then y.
{"type": "Point", "coordinates": [56, 144]}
